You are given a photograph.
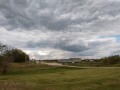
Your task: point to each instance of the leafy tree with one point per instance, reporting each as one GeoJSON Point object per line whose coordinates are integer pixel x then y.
{"type": "Point", "coordinates": [19, 56]}
{"type": "Point", "coordinates": [8, 54]}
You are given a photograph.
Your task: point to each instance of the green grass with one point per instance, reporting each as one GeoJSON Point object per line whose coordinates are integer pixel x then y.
{"type": "Point", "coordinates": [93, 64]}
{"type": "Point", "coordinates": [43, 77]}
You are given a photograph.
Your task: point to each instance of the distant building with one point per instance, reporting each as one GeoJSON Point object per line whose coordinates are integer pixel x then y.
{"type": "Point", "coordinates": [88, 60]}
{"type": "Point", "coordinates": [71, 60]}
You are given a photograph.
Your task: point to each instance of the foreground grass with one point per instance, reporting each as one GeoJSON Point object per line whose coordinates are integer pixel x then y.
{"type": "Point", "coordinates": [43, 77]}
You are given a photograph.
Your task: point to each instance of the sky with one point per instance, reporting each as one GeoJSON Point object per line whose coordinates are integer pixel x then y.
{"type": "Point", "coordinates": [56, 29]}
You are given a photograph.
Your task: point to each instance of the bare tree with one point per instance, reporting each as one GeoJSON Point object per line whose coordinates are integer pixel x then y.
{"type": "Point", "coordinates": [5, 58]}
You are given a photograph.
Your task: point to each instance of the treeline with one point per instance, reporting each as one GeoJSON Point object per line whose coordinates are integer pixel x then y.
{"type": "Point", "coordinates": [8, 55]}
{"type": "Point", "coordinates": [111, 60]}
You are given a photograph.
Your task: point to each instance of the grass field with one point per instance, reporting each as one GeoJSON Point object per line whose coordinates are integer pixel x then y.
{"type": "Point", "coordinates": [43, 77]}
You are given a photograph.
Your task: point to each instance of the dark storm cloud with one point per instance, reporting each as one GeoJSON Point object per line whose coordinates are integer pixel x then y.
{"type": "Point", "coordinates": [61, 44]}
{"type": "Point", "coordinates": [30, 14]}
{"type": "Point", "coordinates": [54, 14]}
{"type": "Point", "coordinates": [68, 45]}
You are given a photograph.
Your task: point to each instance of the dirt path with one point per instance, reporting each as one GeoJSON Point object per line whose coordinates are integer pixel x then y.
{"type": "Point", "coordinates": [53, 64]}
{"type": "Point", "coordinates": [59, 64]}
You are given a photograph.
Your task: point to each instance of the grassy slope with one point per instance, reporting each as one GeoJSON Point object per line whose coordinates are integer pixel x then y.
{"type": "Point", "coordinates": [40, 77]}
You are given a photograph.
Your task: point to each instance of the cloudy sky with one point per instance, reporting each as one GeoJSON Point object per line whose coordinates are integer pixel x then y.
{"type": "Point", "coordinates": [49, 29]}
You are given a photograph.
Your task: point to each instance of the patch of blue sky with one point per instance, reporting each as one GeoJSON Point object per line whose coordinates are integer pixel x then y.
{"type": "Point", "coordinates": [117, 38]}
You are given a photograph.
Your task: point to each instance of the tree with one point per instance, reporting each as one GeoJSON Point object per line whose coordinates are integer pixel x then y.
{"type": "Point", "coordinates": [8, 54]}
{"type": "Point", "coordinates": [19, 56]}
{"type": "Point", "coordinates": [4, 58]}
